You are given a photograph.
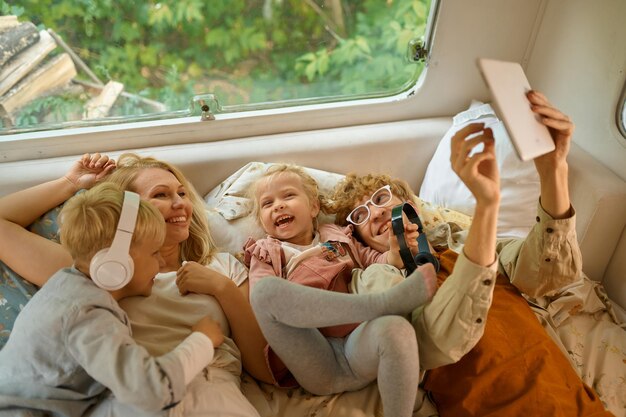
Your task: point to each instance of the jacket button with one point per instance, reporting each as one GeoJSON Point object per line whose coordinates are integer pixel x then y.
{"type": "Point", "coordinates": [537, 218]}
{"type": "Point", "coordinates": [549, 230]}
{"type": "Point", "coordinates": [547, 259]}
{"type": "Point", "coordinates": [479, 320]}
{"type": "Point", "coordinates": [487, 282]}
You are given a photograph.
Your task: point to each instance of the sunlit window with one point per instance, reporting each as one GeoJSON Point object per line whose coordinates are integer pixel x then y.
{"type": "Point", "coordinates": [66, 63]}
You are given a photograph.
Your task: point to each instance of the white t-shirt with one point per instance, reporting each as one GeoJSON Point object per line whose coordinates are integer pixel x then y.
{"type": "Point", "coordinates": [294, 254]}
{"type": "Point", "coordinates": [164, 319]}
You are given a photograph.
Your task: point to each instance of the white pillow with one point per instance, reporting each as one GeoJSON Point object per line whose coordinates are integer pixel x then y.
{"type": "Point", "coordinates": [229, 212]}
{"type": "Point", "coordinates": [519, 181]}
{"type": "Point", "coordinates": [230, 235]}
{"type": "Point", "coordinates": [230, 200]}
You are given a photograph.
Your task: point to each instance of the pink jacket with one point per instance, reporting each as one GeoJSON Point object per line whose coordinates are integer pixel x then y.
{"type": "Point", "coordinates": [265, 257]}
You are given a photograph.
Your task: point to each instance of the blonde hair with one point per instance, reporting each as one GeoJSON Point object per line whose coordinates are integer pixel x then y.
{"type": "Point", "coordinates": [309, 185]}
{"type": "Point", "coordinates": [199, 247]}
{"type": "Point", "coordinates": [88, 221]}
{"type": "Point", "coordinates": [349, 191]}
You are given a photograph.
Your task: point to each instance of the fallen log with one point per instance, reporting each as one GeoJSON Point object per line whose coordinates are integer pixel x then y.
{"type": "Point", "coordinates": [7, 22]}
{"type": "Point", "coordinates": [53, 74]}
{"type": "Point", "coordinates": [23, 63]}
{"type": "Point", "coordinates": [16, 39]}
{"type": "Point", "coordinates": [99, 106]}
{"type": "Point", "coordinates": [157, 106]}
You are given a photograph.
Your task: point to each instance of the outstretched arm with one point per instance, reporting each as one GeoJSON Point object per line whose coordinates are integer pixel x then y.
{"type": "Point", "coordinates": [453, 322]}
{"type": "Point", "coordinates": [31, 256]}
{"type": "Point", "coordinates": [549, 259]}
{"type": "Point", "coordinates": [479, 172]}
{"type": "Point", "coordinates": [552, 167]}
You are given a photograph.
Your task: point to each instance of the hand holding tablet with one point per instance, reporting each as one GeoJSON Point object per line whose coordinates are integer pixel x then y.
{"type": "Point", "coordinates": [508, 85]}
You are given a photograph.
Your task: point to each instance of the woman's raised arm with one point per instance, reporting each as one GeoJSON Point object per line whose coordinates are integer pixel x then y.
{"type": "Point", "coordinates": [479, 172]}
{"type": "Point", "coordinates": [32, 256]}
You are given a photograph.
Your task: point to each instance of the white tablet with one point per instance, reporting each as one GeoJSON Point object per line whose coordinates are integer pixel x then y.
{"type": "Point", "coordinates": [508, 85]}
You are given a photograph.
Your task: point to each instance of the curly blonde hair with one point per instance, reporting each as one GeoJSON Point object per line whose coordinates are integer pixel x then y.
{"type": "Point", "coordinates": [351, 190]}
{"type": "Point", "coordinates": [199, 247]}
{"type": "Point", "coordinates": [310, 186]}
{"type": "Point", "coordinates": [89, 221]}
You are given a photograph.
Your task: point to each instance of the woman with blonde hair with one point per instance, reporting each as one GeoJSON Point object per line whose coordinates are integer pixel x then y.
{"type": "Point", "coordinates": [199, 247]}
{"type": "Point", "coordinates": [162, 320]}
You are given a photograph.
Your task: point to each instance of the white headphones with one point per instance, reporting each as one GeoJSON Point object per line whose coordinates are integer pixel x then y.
{"type": "Point", "coordinates": [112, 268]}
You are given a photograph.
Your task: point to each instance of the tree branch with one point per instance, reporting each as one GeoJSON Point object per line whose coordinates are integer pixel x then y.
{"type": "Point", "coordinates": [332, 26]}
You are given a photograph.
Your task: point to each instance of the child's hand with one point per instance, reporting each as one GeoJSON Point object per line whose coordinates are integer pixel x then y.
{"type": "Point", "coordinates": [196, 278]}
{"type": "Point", "coordinates": [210, 328]}
{"type": "Point", "coordinates": [393, 255]}
{"type": "Point", "coordinates": [89, 169]}
{"type": "Point", "coordinates": [410, 236]}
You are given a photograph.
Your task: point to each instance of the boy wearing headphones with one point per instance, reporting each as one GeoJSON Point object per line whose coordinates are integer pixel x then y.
{"type": "Point", "coordinates": [71, 349]}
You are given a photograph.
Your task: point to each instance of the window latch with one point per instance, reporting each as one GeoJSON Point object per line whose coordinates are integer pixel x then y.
{"type": "Point", "coordinates": [417, 51]}
{"type": "Point", "coordinates": [208, 104]}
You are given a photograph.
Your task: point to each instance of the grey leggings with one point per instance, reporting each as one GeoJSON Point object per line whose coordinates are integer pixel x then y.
{"type": "Point", "coordinates": [384, 347]}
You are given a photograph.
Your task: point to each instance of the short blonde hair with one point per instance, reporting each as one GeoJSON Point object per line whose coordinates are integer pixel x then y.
{"type": "Point", "coordinates": [199, 247]}
{"type": "Point", "coordinates": [349, 191]}
{"type": "Point", "coordinates": [309, 185]}
{"type": "Point", "coordinates": [88, 221]}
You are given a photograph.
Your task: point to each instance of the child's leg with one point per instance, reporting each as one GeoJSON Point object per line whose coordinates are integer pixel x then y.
{"type": "Point", "coordinates": [305, 307]}
{"type": "Point", "coordinates": [386, 348]}
{"type": "Point", "coordinates": [311, 357]}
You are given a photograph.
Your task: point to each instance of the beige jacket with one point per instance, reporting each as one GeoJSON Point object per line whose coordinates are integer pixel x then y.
{"type": "Point", "coordinates": [451, 324]}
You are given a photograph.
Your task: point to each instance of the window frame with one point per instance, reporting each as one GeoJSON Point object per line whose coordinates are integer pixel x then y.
{"type": "Point", "coordinates": [187, 130]}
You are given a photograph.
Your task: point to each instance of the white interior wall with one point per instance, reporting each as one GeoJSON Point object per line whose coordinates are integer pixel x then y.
{"type": "Point", "coordinates": [466, 31]}
{"type": "Point", "coordinates": [579, 60]}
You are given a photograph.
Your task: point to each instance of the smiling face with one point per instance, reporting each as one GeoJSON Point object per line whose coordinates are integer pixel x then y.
{"type": "Point", "coordinates": [168, 195]}
{"type": "Point", "coordinates": [285, 210]}
{"type": "Point", "coordinates": [375, 231]}
{"type": "Point", "coordinates": [355, 190]}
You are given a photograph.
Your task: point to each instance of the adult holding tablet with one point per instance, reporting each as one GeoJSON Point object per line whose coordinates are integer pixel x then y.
{"type": "Point", "coordinates": [483, 348]}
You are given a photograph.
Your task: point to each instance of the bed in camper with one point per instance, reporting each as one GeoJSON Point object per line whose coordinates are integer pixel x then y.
{"type": "Point", "coordinates": [221, 171]}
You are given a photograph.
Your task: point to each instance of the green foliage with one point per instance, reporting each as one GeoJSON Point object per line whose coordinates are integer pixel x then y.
{"type": "Point", "coordinates": [51, 110]}
{"type": "Point", "coordinates": [244, 51]}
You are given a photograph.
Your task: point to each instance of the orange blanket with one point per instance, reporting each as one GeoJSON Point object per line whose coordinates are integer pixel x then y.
{"type": "Point", "coordinates": [514, 370]}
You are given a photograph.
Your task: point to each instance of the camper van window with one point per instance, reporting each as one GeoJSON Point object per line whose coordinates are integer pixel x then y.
{"type": "Point", "coordinates": [70, 63]}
